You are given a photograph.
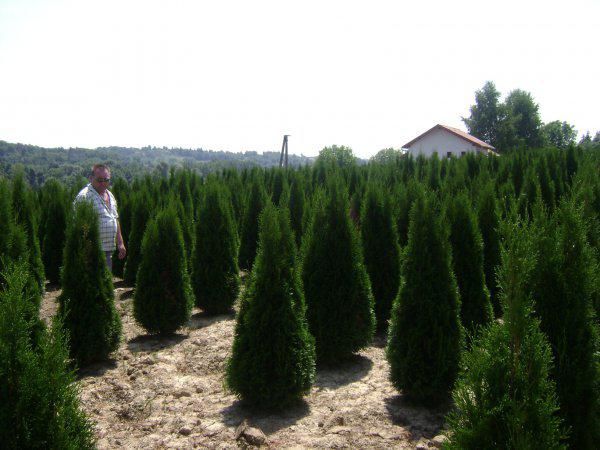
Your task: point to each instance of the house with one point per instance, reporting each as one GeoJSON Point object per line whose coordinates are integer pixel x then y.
{"type": "Point", "coordinates": [446, 142]}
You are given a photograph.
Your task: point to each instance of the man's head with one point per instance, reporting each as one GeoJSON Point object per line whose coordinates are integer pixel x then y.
{"type": "Point", "coordinates": [100, 177]}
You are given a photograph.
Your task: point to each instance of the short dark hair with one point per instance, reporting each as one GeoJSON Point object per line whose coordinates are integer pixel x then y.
{"type": "Point", "coordinates": [99, 166]}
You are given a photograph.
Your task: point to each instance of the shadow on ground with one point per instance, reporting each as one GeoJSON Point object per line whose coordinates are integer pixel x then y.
{"type": "Point", "coordinates": [154, 342]}
{"type": "Point", "coordinates": [97, 369]}
{"type": "Point", "coordinates": [202, 319]}
{"type": "Point", "coordinates": [348, 371]}
{"type": "Point", "coordinates": [51, 287]}
{"type": "Point", "coordinates": [418, 420]}
{"type": "Point", "coordinates": [118, 283]}
{"type": "Point", "coordinates": [267, 421]}
{"type": "Point", "coordinates": [126, 295]}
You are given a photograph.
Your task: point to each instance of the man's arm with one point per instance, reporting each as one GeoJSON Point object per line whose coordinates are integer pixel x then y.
{"type": "Point", "coordinates": [120, 243]}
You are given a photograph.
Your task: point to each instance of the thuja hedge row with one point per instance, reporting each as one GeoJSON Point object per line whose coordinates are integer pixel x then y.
{"type": "Point", "coordinates": [446, 217]}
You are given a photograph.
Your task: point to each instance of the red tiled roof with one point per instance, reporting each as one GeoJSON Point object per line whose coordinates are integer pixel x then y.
{"type": "Point", "coordinates": [455, 131]}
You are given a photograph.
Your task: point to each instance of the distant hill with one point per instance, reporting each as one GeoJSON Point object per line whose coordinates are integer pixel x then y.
{"type": "Point", "coordinates": [69, 165]}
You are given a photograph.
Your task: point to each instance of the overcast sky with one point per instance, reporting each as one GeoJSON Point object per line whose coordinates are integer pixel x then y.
{"type": "Point", "coordinates": [237, 75]}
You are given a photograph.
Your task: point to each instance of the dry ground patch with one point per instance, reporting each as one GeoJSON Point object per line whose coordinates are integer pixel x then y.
{"type": "Point", "coordinates": [167, 392]}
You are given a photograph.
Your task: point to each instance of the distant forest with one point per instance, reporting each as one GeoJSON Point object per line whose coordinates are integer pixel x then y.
{"type": "Point", "coordinates": [70, 165]}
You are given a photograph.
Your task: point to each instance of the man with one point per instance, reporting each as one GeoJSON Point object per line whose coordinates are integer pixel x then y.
{"type": "Point", "coordinates": [105, 205]}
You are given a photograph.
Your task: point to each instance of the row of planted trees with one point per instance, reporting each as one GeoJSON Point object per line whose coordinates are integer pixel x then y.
{"type": "Point", "coordinates": [337, 250]}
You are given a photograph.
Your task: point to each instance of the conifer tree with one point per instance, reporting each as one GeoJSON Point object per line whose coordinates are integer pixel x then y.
{"type": "Point", "coordinates": [425, 333]}
{"type": "Point", "coordinates": [40, 404]}
{"type": "Point", "coordinates": [141, 207]}
{"type": "Point", "coordinates": [6, 224]}
{"type": "Point", "coordinates": [237, 195]}
{"type": "Point", "coordinates": [546, 184]}
{"type": "Point", "coordinates": [14, 250]}
{"type": "Point", "coordinates": [489, 222]}
{"type": "Point", "coordinates": [504, 396]}
{"type": "Point", "coordinates": [273, 356]}
{"type": "Point", "coordinates": [215, 276]}
{"type": "Point", "coordinates": [381, 252]}
{"type": "Point", "coordinates": [467, 262]}
{"type": "Point", "coordinates": [185, 211]}
{"type": "Point", "coordinates": [249, 236]}
{"type": "Point", "coordinates": [337, 288]}
{"type": "Point", "coordinates": [163, 298]}
{"type": "Point", "coordinates": [25, 215]}
{"type": "Point", "coordinates": [297, 207]}
{"type": "Point", "coordinates": [86, 304]}
{"type": "Point", "coordinates": [122, 193]}
{"type": "Point", "coordinates": [278, 185]}
{"type": "Point", "coordinates": [404, 199]}
{"type": "Point", "coordinates": [563, 285]}
{"type": "Point", "coordinates": [56, 207]}
{"type": "Point", "coordinates": [530, 194]}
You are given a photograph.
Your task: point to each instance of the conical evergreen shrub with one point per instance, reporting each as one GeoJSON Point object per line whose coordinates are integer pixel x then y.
{"type": "Point", "coordinates": [215, 276]}
{"type": "Point", "coordinates": [6, 224]}
{"type": "Point", "coordinates": [163, 297]}
{"type": "Point", "coordinates": [273, 356]}
{"type": "Point", "coordinates": [141, 208]}
{"type": "Point", "coordinates": [249, 236]}
{"type": "Point", "coordinates": [504, 396]}
{"type": "Point", "coordinates": [563, 285]}
{"type": "Point", "coordinates": [26, 216]}
{"type": "Point", "coordinates": [38, 395]}
{"type": "Point", "coordinates": [86, 304]}
{"type": "Point", "coordinates": [381, 252]}
{"type": "Point", "coordinates": [122, 193]}
{"type": "Point", "coordinates": [467, 262]}
{"type": "Point", "coordinates": [489, 222]}
{"type": "Point", "coordinates": [340, 305]}
{"type": "Point", "coordinates": [425, 334]}
{"type": "Point", "coordinates": [56, 207]}
{"type": "Point", "coordinates": [297, 203]}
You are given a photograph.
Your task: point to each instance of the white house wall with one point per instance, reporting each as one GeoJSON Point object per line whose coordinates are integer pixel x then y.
{"type": "Point", "coordinates": [442, 142]}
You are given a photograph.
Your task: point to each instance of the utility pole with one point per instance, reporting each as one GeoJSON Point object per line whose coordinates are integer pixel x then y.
{"type": "Point", "coordinates": [284, 149]}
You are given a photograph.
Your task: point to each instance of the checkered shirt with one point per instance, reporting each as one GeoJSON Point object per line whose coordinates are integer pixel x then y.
{"type": "Point", "coordinates": [107, 215]}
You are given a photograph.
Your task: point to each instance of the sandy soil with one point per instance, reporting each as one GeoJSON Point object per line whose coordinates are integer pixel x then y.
{"type": "Point", "coordinates": [168, 393]}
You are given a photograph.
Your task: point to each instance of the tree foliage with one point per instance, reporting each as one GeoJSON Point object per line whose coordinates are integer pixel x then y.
{"type": "Point", "coordinates": [273, 356]}
{"type": "Point", "coordinates": [563, 284]}
{"type": "Point", "coordinates": [215, 272]}
{"type": "Point", "coordinates": [86, 304]}
{"type": "Point", "coordinates": [249, 236]}
{"type": "Point", "coordinates": [381, 252]}
{"type": "Point", "coordinates": [163, 297]}
{"type": "Point", "coordinates": [467, 262]}
{"type": "Point", "coordinates": [425, 334]}
{"type": "Point", "coordinates": [337, 288]}
{"type": "Point", "coordinates": [504, 396]}
{"type": "Point", "coordinates": [40, 404]}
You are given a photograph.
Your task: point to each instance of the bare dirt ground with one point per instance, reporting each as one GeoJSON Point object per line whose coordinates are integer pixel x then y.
{"type": "Point", "coordinates": [167, 392]}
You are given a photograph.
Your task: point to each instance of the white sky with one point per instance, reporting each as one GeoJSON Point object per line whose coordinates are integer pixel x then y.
{"type": "Point", "coordinates": [237, 75]}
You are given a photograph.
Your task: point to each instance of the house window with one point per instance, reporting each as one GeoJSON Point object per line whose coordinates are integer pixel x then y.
{"type": "Point", "coordinates": [463, 153]}
{"type": "Point", "coordinates": [449, 154]}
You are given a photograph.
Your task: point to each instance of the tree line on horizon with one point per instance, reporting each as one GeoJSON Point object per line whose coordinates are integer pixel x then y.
{"type": "Point", "coordinates": [481, 271]}
{"type": "Point", "coordinates": [516, 122]}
